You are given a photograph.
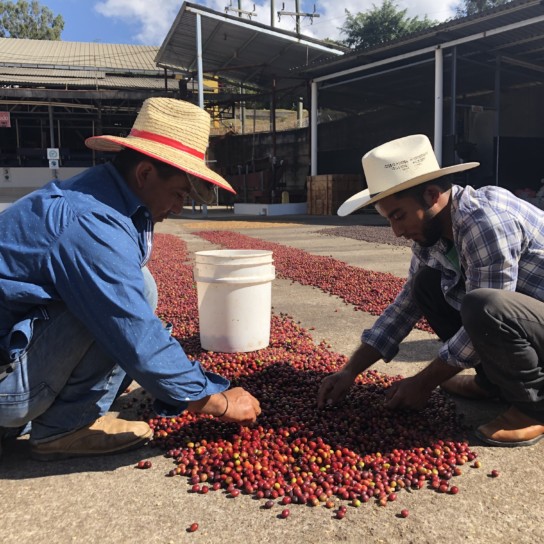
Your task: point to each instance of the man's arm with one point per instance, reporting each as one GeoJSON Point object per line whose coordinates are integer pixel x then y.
{"type": "Point", "coordinates": [414, 392]}
{"type": "Point", "coordinates": [335, 387]}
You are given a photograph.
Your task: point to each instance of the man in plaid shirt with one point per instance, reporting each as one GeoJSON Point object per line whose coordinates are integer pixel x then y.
{"type": "Point", "coordinates": [476, 275]}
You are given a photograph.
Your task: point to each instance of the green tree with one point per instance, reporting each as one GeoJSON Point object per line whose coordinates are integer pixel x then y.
{"type": "Point", "coordinates": [24, 19]}
{"type": "Point", "coordinates": [471, 7]}
{"type": "Point", "coordinates": [381, 25]}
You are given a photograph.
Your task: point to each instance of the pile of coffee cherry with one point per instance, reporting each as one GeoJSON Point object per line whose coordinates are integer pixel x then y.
{"type": "Point", "coordinates": [353, 453]}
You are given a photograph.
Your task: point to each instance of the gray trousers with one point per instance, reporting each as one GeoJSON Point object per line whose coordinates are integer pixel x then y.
{"type": "Point", "coordinates": [507, 331]}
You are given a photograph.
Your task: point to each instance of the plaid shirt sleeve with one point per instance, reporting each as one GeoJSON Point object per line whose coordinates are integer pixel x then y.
{"type": "Point", "coordinates": [396, 322]}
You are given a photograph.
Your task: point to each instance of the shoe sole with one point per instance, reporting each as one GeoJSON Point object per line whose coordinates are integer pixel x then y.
{"type": "Point", "coordinates": [58, 456]}
{"type": "Point", "coordinates": [498, 443]}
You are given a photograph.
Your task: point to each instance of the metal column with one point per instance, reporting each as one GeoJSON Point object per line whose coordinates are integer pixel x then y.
{"type": "Point", "coordinates": [497, 116]}
{"type": "Point", "coordinates": [51, 127]}
{"type": "Point", "coordinates": [199, 60]}
{"type": "Point", "coordinates": [453, 98]}
{"type": "Point", "coordinates": [438, 103]}
{"type": "Point", "coordinates": [313, 130]}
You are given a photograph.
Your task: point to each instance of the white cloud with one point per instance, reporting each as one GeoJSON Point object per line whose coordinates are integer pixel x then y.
{"type": "Point", "coordinates": [153, 19]}
{"type": "Point", "coordinates": [332, 14]}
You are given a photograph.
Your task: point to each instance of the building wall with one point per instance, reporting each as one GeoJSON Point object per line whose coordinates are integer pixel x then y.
{"type": "Point", "coordinates": [341, 146]}
{"type": "Point", "coordinates": [235, 156]}
{"type": "Point", "coordinates": [17, 182]}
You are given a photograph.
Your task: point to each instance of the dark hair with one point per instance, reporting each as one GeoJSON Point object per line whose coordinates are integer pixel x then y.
{"type": "Point", "coordinates": [126, 160]}
{"type": "Point", "coordinates": [444, 184]}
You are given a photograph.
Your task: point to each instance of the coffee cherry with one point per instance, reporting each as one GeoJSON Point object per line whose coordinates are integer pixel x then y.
{"type": "Point", "coordinates": [495, 473]}
{"type": "Point", "coordinates": [294, 452]}
{"type": "Point", "coordinates": [405, 512]}
{"type": "Point", "coordinates": [285, 513]}
{"type": "Point", "coordinates": [192, 528]}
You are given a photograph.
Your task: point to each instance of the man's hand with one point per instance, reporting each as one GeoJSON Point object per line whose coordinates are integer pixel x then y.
{"type": "Point", "coordinates": [235, 405]}
{"type": "Point", "coordinates": [408, 393]}
{"type": "Point", "coordinates": [334, 388]}
{"type": "Point", "coordinates": [243, 406]}
{"type": "Point", "coordinates": [414, 392]}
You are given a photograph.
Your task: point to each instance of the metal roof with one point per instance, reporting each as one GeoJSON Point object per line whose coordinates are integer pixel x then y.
{"type": "Point", "coordinates": [90, 82]}
{"type": "Point", "coordinates": [240, 50]}
{"type": "Point", "coordinates": [78, 65]}
{"type": "Point", "coordinates": [23, 53]}
{"type": "Point", "coordinates": [510, 36]}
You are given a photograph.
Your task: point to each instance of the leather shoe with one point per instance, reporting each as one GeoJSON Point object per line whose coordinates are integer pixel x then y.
{"type": "Point", "coordinates": [107, 435]}
{"type": "Point", "coordinates": [464, 385]}
{"type": "Point", "coordinates": [511, 429]}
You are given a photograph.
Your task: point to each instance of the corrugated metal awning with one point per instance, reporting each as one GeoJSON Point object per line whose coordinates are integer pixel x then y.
{"type": "Point", "coordinates": [23, 53]}
{"type": "Point", "coordinates": [240, 50]}
{"type": "Point", "coordinates": [511, 35]}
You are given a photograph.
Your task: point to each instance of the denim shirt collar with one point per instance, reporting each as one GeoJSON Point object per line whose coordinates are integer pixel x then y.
{"type": "Point", "coordinates": [132, 204]}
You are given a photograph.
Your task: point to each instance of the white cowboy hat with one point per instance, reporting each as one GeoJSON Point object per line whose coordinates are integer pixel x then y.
{"type": "Point", "coordinates": [176, 133]}
{"type": "Point", "coordinates": [398, 165]}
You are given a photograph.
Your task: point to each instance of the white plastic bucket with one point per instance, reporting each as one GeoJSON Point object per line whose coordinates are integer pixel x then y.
{"type": "Point", "coordinates": [234, 288]}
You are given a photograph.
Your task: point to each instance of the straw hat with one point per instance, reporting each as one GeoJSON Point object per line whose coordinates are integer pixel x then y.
{"type": "Point", "coordinates": [174, 132]}
{"type": "Point", "coordinates": [398, 165]}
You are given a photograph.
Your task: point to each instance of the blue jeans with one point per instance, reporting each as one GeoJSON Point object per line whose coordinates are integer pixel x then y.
{"type": "Point", "coordinates": [64, 381]}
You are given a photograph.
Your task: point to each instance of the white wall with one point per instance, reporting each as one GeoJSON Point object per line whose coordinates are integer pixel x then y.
{"type": "Point", "coordinates": [270, 209]}
{"type": "Point", "coordinates": [21, 177]}
{"type": "Point", "coordinates": [16, 182]}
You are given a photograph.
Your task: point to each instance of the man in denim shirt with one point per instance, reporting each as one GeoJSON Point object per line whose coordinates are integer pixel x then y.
{"type": "Point", "coordinates": [476, 275]}
{"type": "Point", "coordinates": [77, 302]}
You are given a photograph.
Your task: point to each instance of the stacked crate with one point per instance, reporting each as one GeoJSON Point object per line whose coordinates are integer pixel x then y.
{"type": "Point", "coordinates": [327, 192]}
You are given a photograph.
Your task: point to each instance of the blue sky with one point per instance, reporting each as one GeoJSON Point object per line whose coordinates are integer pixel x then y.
{"type": "Point", "coordinates": [147, 22]}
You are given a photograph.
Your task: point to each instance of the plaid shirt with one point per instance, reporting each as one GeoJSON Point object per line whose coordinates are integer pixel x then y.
{"type": "Point", "coordinates": [499, 239]}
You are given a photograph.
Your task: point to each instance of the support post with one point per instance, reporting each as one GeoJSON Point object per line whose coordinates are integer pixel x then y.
{"type": "Point", "coordinates": [453, 98]}
{"type": "Point", "coordinates": [496, 127]}
{"type": "Point", "coordinates": [438, 103]}
{"type": "Point", "coordinates": [199, 60]}
{"type": "Point", "coordinates": [313, 130]}
{"type": "Point", "coordinates": [51, 127]}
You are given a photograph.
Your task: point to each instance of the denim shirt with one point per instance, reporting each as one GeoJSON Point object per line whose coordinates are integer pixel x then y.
{"type": "Point", "coordinates": [499, 240]}
{"type": "Point", "coordinates": [83, 242]}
